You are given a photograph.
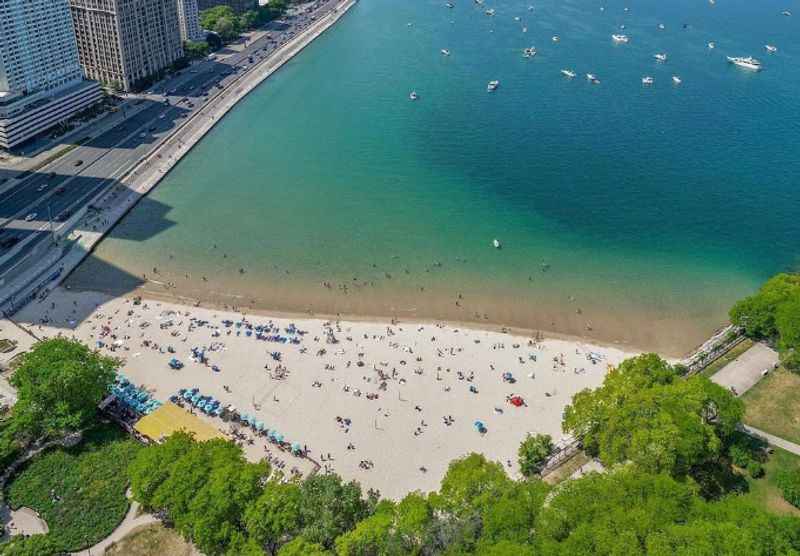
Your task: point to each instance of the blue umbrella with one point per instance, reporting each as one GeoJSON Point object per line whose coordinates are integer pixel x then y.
{"type": "Point", "coordinates": [296, 447]}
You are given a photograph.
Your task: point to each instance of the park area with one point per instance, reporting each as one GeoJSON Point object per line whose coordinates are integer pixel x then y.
{"type": "Point", "coordinates": [773, 405]}
{"type": "Point", "coordinates": [79, 492]}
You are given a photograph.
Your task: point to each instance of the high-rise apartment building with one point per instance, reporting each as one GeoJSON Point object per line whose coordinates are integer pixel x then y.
{"type": "Point", "coordinates": [238, 6]}
{"type": "Point", "coordinates": [125, 42]}
{"type": "Point", "coordinates": [41, 81]}
{"type": "Point", "coordinates": [189, 20]}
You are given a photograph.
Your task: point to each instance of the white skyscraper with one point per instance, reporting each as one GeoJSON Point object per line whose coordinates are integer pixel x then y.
{"type": "Point", "coordinates": [41, 81]}
{"type": "Point", "coordinates": [189, 20]}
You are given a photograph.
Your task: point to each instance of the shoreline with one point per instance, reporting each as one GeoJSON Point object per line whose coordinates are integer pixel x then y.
{"type": "Point", "coordinates": [377, 319]}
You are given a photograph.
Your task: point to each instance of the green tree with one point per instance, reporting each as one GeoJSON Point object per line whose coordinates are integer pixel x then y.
{"type": "Point", "coordinates": [274, 517]}
{"type": "Point", "coordinates": [196, 49]}
{"type": "Point", "coordinates": [373, 535]}
{"type": "Point", "coordinates": [209, 17]}
{"type": "Point", "coordinates": [533, 453]}
{"type": "Point", "coordinates": [302, 547]}
{"type": "Point", "coordinates": [226, 28]}
{"type": "Point", "coordinates": [329, 507]}
{"type": "Point", "coordinates": [757, 313]}
{"type": "Point", "coordinates": [59, 384]}
{"type": "Point", "coordinates": [645, 413]}
{"type": "Point", "coordinates": [204, 488]}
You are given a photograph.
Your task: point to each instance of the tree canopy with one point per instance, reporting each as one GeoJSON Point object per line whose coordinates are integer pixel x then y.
{"type": "Point", "coordinates": [59, 384]}
{"type": "Point", "coordinates": [646, 413]}
{"type": "Point", "coordinates": [773, 313]}
{"type": "Point", "coordinates": [533, 453]}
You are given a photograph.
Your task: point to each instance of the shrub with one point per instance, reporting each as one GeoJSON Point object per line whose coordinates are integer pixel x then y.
{"type": "Point", "coordinates": [755, 469]}
{"type": "Point", "coordinates": [789, 483]}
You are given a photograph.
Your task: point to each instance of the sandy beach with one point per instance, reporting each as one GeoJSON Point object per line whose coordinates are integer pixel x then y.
{"type": "Point", "coordinates": [387, 404]}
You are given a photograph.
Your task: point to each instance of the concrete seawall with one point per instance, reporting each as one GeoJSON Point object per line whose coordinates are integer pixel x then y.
{"type": "Point", "coordinates": [80, 234]}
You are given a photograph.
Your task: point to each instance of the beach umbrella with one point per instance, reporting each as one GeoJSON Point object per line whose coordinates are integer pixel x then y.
{"type": "Point", "coordinates": [272, 434]}
{"type": "Point", "coordinates": [260, 425]}
{"type": "Point", "coordinates": [296, 447]}
{"type": "Point", "coordinates": [279, 437]}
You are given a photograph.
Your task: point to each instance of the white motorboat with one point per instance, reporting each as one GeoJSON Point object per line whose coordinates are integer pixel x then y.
{"type": "Point", "coordinates": [450, 5]}
{"type": "Point", "coordinates": [556, 38]}
{"type": "Point", "coordinates": [592, 78]}
{"type": "Point", "coordinates": [747, 62]}
{"type": "Point", "coordinates": [661, 26]}
{"type": "Point", "coordinates": [493, 85]}
{"type": "Point", "coordinates": [771, 49]}
{"type": "Point", "coordinates": [529, 52]}
{"type": "Point", "coordinates": [661, 57]}
{"type": "Point", "coordinates": [712, 45]}
{"type": "Point", "coordinates": [787, 13]}
{"type": "Point", "coordinates": [445, 52]}
{"type": "Point", "coordinates": [620, 38]}
{"type": "Point", "coordinates": [413, 95]}
{"type": "Point", "coordinates": [517, 18]}
{"type": "Point", "coordinates": [677, 80]}
{"type": "Point", "coordinates": [568, 73]}
{"type": "Point", "coordinates": [647, 80]}
{"type": "Point", "coordinates": [524, 29]}
{"type": "Point", "coordinates": [496, 244]}
{"type": "Point", "coordinates": [489, 12]}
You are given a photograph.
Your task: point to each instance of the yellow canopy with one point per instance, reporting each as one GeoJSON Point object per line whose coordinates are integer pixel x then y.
{"type": "Point", "coordinates": [170, 418]}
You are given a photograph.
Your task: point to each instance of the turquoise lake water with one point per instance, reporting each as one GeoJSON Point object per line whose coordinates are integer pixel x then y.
{"type": "Point", "coordinates": [627, 213]}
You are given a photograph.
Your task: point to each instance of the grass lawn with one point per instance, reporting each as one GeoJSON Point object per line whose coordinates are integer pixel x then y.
{"type": "Point", "coordinates": [765, 492]}
{"type": "Point", "coordinates": [773, 405]}
{"type": "Point", "coordinates": [79, 492]}
{"type": "Point", "coordinates": [151, 540]}
{"type": "Point", "coordinates": [727, 358]}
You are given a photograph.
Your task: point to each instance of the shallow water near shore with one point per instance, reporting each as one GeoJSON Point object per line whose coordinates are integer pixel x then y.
{"type": "Point", "coordinates": [627, 214]}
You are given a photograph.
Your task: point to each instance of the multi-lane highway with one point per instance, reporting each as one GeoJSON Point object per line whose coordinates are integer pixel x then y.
{"type": "Point", "coordinates": [41, 201]}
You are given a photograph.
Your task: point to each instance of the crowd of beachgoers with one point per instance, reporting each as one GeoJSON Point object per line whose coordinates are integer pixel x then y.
{"type": "Point", "coordinates": [387, 403]}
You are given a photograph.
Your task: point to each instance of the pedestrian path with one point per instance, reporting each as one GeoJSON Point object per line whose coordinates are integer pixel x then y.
{"type": "Point", "coordinates": [773, 440]}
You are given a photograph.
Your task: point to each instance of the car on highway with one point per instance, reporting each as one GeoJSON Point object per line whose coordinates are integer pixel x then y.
{"type": "Point", "coordinates": [61, 190]}
{"type": "Point", "coordinates": [78, 163]}
{"type": "Point", "coordinates": [41, 187]}
{"type": "Point", "coordinates": [8, 242]}
{"type": "Point", "coordinates": [30, 217]}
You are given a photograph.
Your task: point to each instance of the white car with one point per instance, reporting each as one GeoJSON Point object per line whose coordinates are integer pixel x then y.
{"type": "Point", "coordinates": [41, 187]}
{"type": "Point", "coordinates": [30, 217]}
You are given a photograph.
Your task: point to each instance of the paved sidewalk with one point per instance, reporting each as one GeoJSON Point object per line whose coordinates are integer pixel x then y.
{"type": "Point", "coordinates": [773, 440]}
{"type": "Point", "coordinates": [745, 371]}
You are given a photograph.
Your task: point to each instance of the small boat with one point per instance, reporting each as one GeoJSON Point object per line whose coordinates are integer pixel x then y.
{"type": "Point", "coordinates": [524, 29]}
{"type": "Point", "coordinates": [787, 13]}
{"type": "Point", "coordinates": [771, 49]}
{"type": "Point", "coordinates": [496, 244]}
{"type": "Point", "coordinates": [677, 80]}
{"type": "Point", "coordinates": [661, 57]}
{"type": "Point", "coordinates": [661, 26]}
{"type": "Point", "coordinates": [712, 45]}
{"type": "Point", "coordinates": [647, 80]}
{"type": "Point", "coordinates": [493, 85]}
{"type": "Point", "coordinates": [450, 5]}
{"type": "Point", "coordinates": [445, 52]}
{"type": "Point", "coordinates": [568, 73]}
{"type": "Point", "coordinates": [413, 95]}
{"type": "Point", "coordinates": [489, 12]}
{"type": "Point", "coordinates": [529, 52]}
{"type": "Point", "coordinates": [556, 38]}
{"type": "Point", "coordinates": [592, 78]}
{"type": "Point", "coordinates": [620, 38]}
{"type": "Point", "coordinates": [745, 62]}
{"type": "Point", "coordinates": [516, 18]}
